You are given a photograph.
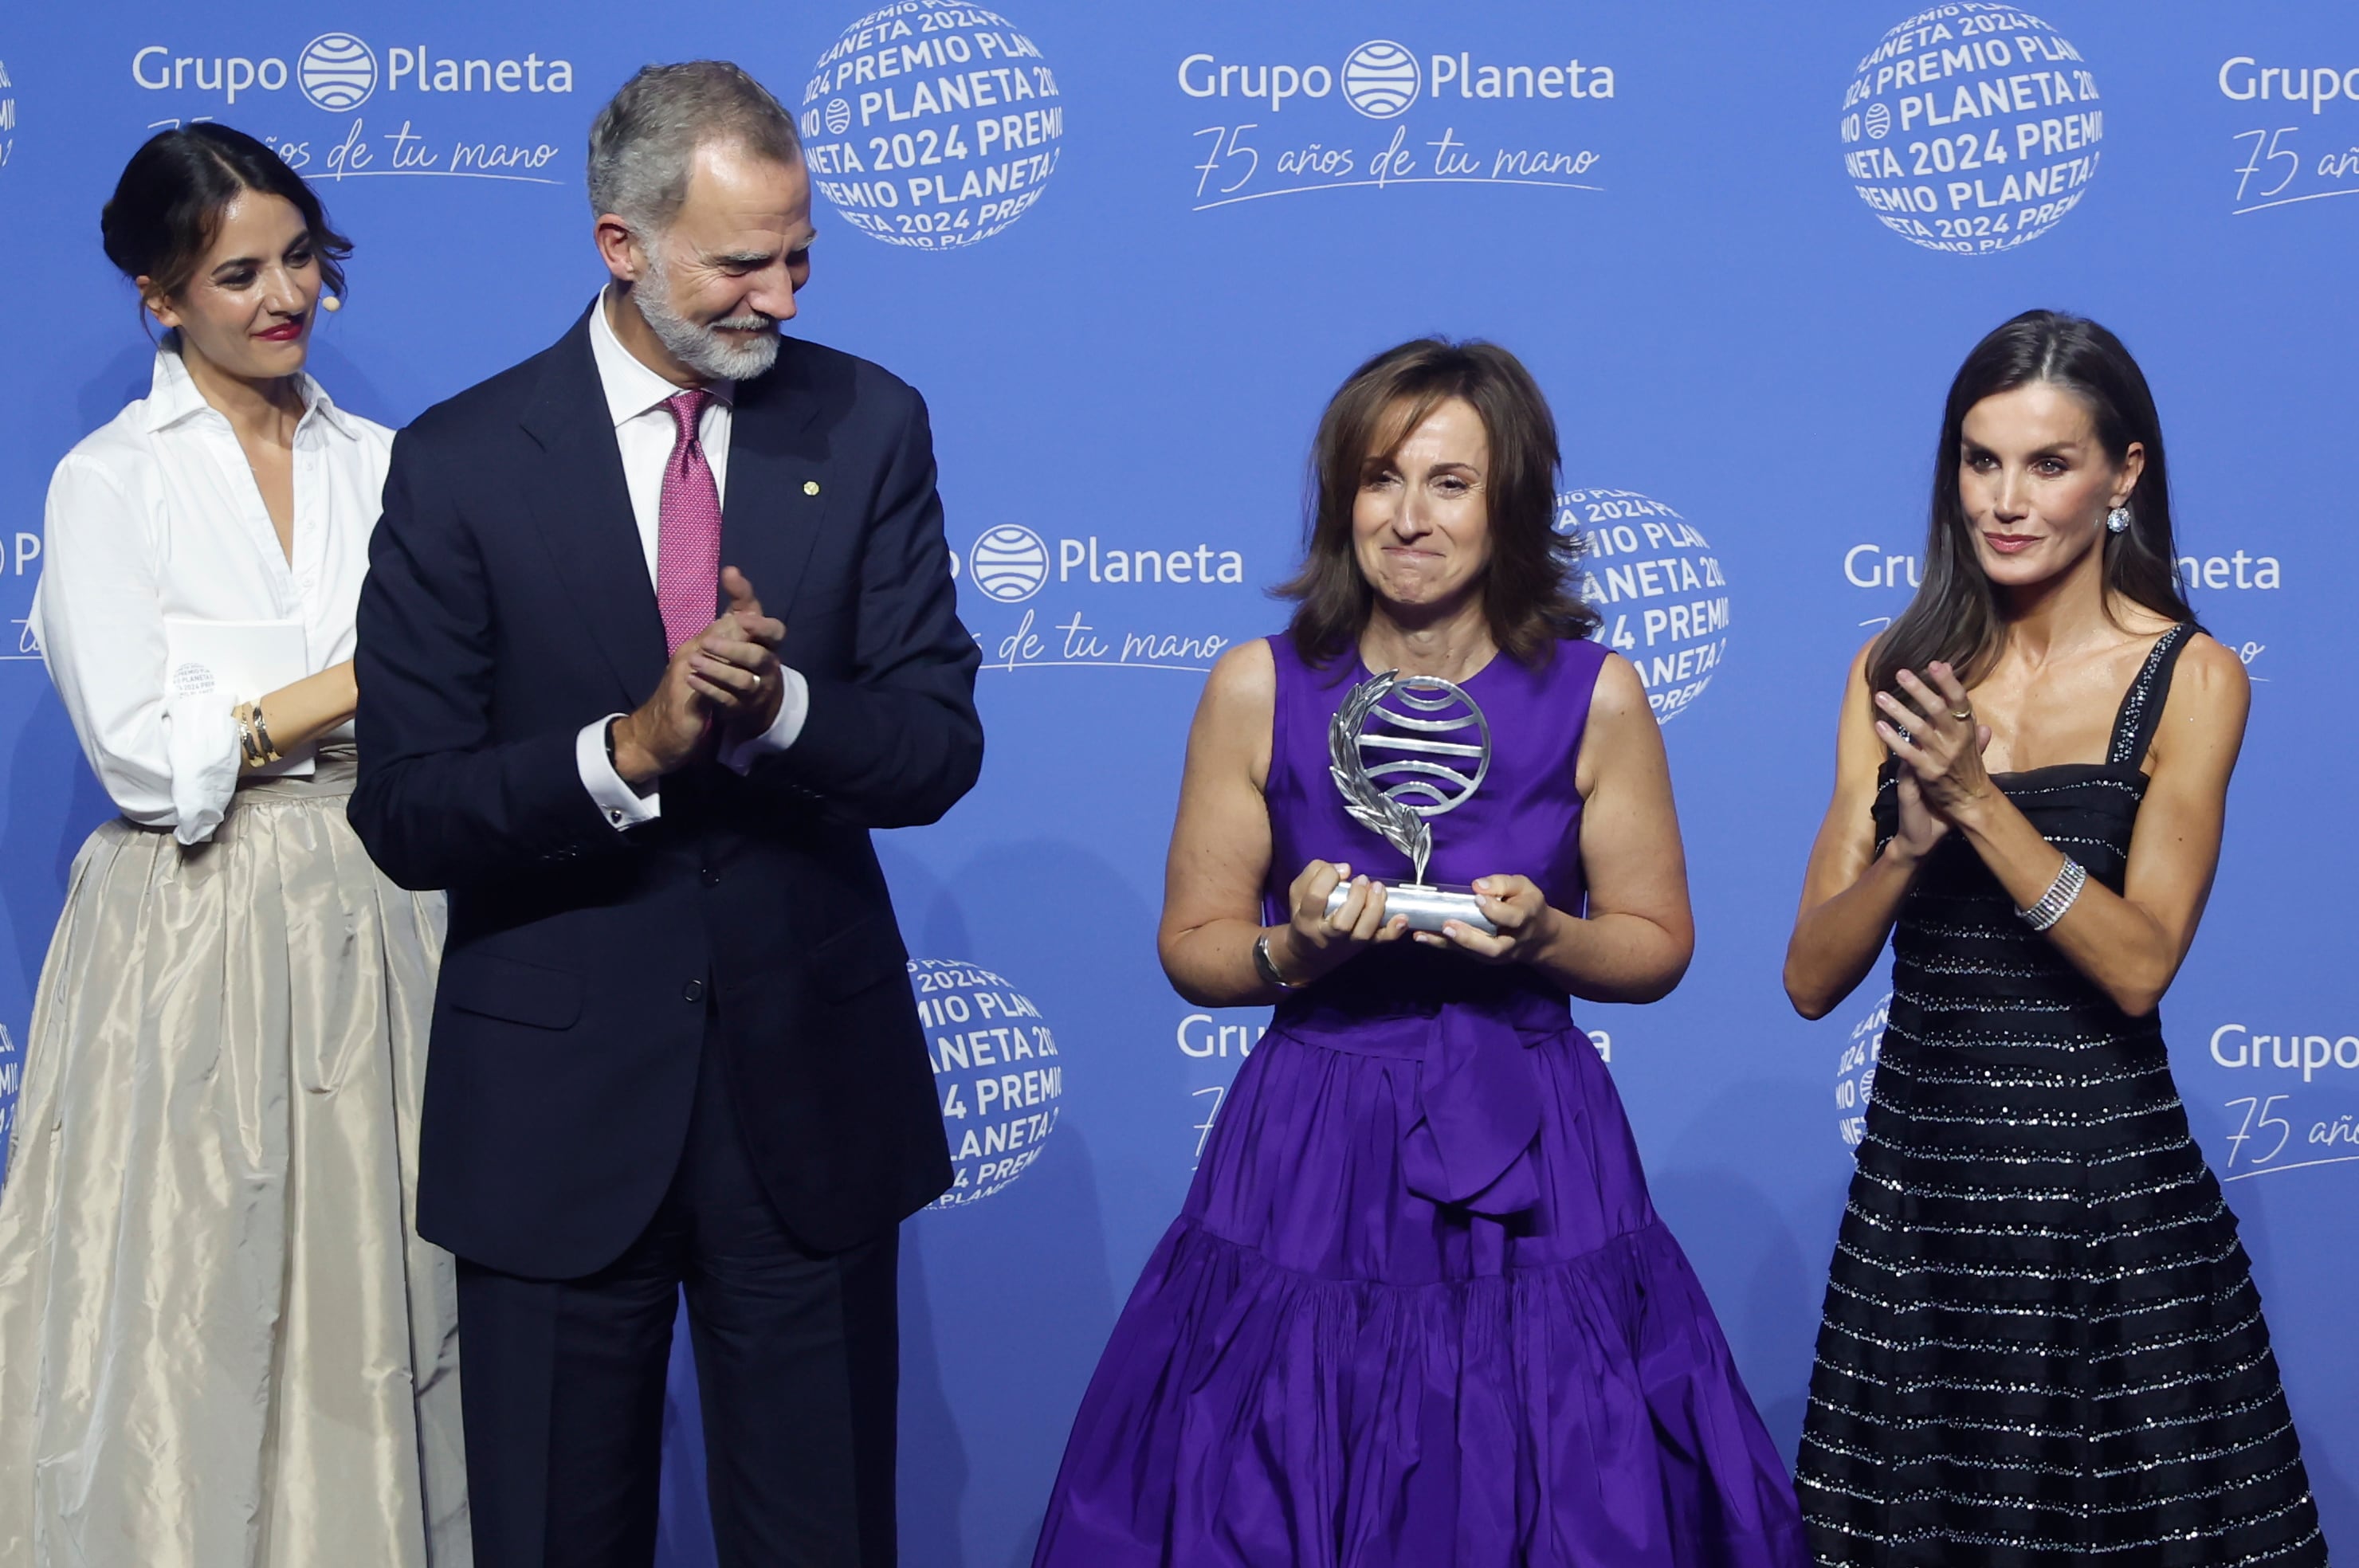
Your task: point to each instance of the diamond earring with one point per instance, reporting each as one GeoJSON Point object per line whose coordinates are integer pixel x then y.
{"type": "Point", "coordinates": [2117, 521]}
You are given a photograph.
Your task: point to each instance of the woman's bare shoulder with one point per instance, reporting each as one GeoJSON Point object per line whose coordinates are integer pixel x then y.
{"type": "Point", "coordinates": [1244, 678]}
{"type": "Point", "coordinates": [2212, 679]}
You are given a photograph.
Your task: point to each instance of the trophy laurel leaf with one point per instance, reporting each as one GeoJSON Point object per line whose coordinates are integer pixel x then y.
{"type": "Point", "coordinates": [1369, 806]}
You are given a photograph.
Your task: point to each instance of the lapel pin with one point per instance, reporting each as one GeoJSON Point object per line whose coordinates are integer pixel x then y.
{"type": "Point", "coordinates": [810, 487]}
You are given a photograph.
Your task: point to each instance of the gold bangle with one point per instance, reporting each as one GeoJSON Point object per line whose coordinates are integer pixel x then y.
{"type": "Point", "coordinates": [270, 751]}
{"type": "Point", "coordinates": [254, 750]}
{"type": "Point", "coordinates": [249, 750]}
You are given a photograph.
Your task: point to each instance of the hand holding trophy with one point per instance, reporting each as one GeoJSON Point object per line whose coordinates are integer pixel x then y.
{"type": "Point", "coordinates": [1432, 778]}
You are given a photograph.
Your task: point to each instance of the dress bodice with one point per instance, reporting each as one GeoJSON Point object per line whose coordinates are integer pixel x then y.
{"type": "Point", "coordinates": [1961, 955]}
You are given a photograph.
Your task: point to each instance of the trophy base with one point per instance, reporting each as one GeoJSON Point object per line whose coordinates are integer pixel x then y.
{"type": "Point", "coordinates": [1426, 905]}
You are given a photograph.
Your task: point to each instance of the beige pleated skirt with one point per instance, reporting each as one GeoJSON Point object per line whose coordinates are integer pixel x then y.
{"type": "Point", "coordinates": [221, 1343]}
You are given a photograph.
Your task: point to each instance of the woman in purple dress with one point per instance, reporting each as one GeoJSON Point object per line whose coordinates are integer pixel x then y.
{"type": "Point", "coordinates": [1417, 1309]}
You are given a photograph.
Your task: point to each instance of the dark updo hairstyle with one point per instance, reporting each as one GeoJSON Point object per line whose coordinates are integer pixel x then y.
{"type": "Point", "coordinates": [167, 206]}
{"type": "Point", "coordinates": [1531, 589]}
{"type": "Point", "coordinates": [1954, 617]}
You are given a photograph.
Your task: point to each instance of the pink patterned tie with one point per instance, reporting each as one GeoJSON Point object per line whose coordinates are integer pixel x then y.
{"type": "Point", "coordinates": [687, 529]}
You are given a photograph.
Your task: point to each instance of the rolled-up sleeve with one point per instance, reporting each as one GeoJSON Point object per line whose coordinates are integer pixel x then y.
{"type": "Point", "coordinates": [99, 618]}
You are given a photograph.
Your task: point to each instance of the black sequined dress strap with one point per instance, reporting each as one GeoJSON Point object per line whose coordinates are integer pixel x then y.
{"type": "Point", "coordinates": [2142, 705]}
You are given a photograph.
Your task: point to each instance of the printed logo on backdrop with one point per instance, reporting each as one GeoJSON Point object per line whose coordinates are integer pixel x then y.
{"type": "Point", "coordinates": [1856, 1072]}
{"type": "Point", "coordinates": [337, 71]}
{"type": "Point", "coordinates": [2288, 153]}
{"type": "Point", "coordinates": [2293, 1097]}
{"type": "Point", "coordinates": [20, 566]}
{"type": "Point", "coordinates": [7, 117]}
{"type": "Point", "coordinates": [2216, 583]}
{"type": "Point", "coordinates": [1971, 128]}
{"type": "Point", "coordinates": [435, 109]}
{"type": "Point", "coordinates": [1387, 111]}
{"type": "Point", "coordinates": [1224, 1043]}
{"type": "Point", "coordinates": [996, 1069]}
{"type": "Point", "coordinates": [1084, 601]}
{"type": "Point", "coordinates": [1659, 585]}
{"type": "Point", "coordinates": [12, 1080]}
{"type": "Point", "coordinates": [931, 124]}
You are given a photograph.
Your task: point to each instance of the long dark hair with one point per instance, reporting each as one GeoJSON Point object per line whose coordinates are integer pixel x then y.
{"type": "Point", "coordinates": [1531, 588]}
{"type": "Point", "coordinates": [167, 206]}
{"type": "Point", "coordinates": [1954, 617]}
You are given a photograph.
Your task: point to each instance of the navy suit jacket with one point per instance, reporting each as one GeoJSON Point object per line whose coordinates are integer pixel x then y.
{"type": "Point", "coordinates": [507, 605]}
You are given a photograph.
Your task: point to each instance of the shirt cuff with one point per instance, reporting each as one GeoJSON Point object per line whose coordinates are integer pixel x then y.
{"type": "Point", "coordinates": [622, 806]}
{"type": "Point", "coordinates": [794, 706]}
{"type": "Point", "coordinates": [202, 752]}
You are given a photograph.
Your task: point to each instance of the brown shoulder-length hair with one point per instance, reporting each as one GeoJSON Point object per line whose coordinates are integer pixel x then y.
{"type": "Point", "coordinates": [1531, 589]}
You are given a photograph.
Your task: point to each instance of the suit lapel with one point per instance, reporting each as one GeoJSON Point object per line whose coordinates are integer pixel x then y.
{"type": "Point", "coordinates": [582, 508]}
{"type": "Point", "coordinates": [778, 492]}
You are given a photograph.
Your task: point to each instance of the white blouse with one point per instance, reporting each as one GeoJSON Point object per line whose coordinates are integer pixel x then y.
{"type": "Point", "coordinates": [155, 514]}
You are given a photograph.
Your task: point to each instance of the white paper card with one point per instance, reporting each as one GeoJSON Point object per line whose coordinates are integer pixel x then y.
{"type": "Point", "coordinates": [211, 666]}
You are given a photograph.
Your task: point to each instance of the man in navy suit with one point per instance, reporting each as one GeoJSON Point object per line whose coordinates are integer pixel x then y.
{"type": "Point", "coordinates": [658, 625]}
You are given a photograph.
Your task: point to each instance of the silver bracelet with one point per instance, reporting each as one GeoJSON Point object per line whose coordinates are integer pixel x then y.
{"type": "Point", "coordinates": [1266, 966]}
{"type": "Point", "coordinates": [2069, 880]}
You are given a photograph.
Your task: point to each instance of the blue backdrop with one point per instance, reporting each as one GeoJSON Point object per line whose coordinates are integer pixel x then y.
{"type": "Point", "coordinates": [1127, 253]}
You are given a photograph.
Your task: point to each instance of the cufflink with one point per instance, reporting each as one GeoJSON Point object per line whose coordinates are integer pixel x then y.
{"type": "Point", "coordinates": [810, 487]}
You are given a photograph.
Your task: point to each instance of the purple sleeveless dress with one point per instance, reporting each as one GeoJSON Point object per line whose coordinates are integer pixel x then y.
{"type": "Point", "coordinates": [1417, 1309]}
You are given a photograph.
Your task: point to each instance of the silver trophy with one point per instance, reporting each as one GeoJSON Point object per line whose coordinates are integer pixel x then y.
{"type": "Point", "coordinates": [1397, 770]}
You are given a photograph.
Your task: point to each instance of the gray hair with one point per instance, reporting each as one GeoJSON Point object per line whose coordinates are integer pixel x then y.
{"type": "Point", "coordinates": [643, 142]}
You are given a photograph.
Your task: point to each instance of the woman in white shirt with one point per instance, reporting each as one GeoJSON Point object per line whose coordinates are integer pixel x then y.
{"type": "Point", "coordinates": [221, 1343]}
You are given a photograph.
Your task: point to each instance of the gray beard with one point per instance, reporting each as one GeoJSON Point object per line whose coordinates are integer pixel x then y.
{"type": "Point", "coordinates": [702, 349]}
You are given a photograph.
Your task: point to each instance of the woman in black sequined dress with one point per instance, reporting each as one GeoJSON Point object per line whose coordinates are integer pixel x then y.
{"type": "Point", "coordinates": [2041, 1342]}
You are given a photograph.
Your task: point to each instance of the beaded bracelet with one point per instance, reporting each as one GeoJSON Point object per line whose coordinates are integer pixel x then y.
{"type": "Point", "coordinates": [2071, 878]}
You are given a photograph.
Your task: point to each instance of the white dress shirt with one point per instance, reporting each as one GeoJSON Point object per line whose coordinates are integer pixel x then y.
{"type": "Point", "coordinates": [646, 432]}
{"type": "Point", "coordinates": [156, 514]}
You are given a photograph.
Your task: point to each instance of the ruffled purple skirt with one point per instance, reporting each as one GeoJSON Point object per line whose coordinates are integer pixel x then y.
{"type": "Point", "coordinates": [1325, 1367]}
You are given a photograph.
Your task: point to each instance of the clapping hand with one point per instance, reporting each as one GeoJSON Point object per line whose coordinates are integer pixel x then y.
{"type": "Point", "coordinates": [1939, 747]}
{"type": "Point", "coordinates": [732, 664]}
{"type": "Point", "coordinates": [728, 673]}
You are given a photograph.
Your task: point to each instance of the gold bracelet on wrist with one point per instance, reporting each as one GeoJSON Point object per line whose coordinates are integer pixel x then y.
{"type": "Point", "coordinates": [270, 753]}
{"type": "Point", "coordinates": [254, 750]}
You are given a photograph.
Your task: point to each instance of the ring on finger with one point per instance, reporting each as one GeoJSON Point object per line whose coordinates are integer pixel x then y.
{"type": "Point", "coordinates": [1961, 714]}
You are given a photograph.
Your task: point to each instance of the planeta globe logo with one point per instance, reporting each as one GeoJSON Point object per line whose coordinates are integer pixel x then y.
{"type": "Point", "coordinates": [1971, 128]}
{"type": "Point", "coordinates": [1380, 78]}
{"type": "Point", "coordinates": [1657, 584]}
{"type": "Point", "coordinates": [7, 116]}
{"type": "Point", "coordinates": [1444, 736]}
{"type": "Point", "coordinates": [12, 1078]}
{"type": "Point", "coordinates": [996, 1071]}
{"type": "Point", "coordinates": [1009, 563]}
{"type": "Point", "coordinates": [336, 72]}
{"type": "Point", "coordinates": [1856, 1072]}
{"type": "Point", "coordinates": [932, 124]}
